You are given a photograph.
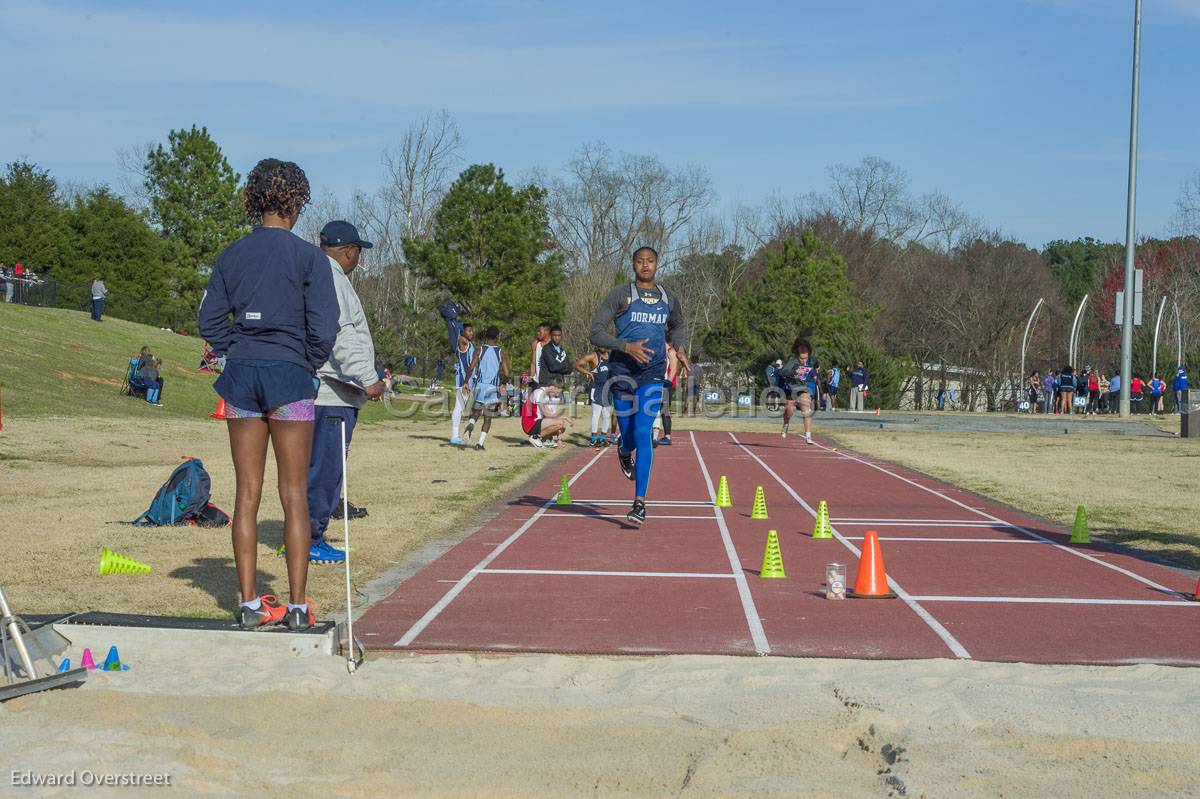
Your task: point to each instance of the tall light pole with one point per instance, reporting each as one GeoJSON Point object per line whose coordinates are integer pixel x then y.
{"type": "Point", "coordinates": [1130, 217]}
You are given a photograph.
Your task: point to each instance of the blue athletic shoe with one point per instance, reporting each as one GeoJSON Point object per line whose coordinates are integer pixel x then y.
{"type": "Point", "coordinates": [457, 442]}
{"type": "Point", "coordinates": [665, 441]}
{"type": "Point", "coordinates": [324, 552]}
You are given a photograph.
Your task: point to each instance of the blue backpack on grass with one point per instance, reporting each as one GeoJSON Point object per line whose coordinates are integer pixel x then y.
{"type": "Point", "coordinates": [184, 499]}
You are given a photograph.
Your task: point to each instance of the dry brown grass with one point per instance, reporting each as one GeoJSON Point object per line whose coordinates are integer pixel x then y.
{"type": "Point", "coordinates": [1141, 491]}
{"type": "Point", "coordinates": [63, 482]}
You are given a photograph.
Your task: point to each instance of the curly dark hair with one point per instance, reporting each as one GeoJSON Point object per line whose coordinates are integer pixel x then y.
{"type": "Point", "coordinates": [275, 186]}
{"type": "Point", "coordinates": [801, 345]}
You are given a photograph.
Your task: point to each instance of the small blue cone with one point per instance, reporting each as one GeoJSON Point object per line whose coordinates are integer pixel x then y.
{"type": "Point", "coordinates": [65, 665]}
{"type": "Point", "coordinates": [113, 661]}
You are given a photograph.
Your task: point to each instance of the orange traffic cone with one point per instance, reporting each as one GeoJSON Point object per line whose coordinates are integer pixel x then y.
{"type": "Point", "coordinates": [219, 413]}
{"type": "Point", "coordinates": [1196, 596]}
{"type": "Point", "coordinates": [871, 581]}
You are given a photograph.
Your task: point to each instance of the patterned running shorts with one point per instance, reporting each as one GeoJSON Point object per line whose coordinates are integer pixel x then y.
{"type": "Point", "coordinates": [299, 411]}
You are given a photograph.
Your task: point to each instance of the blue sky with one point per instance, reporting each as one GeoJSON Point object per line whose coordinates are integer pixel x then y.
{"type": "Point", "coordinates": [1018, 109]}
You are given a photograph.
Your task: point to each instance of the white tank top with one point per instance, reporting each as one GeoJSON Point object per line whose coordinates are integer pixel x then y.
{"type": "Point", "coordinates": [537, 362]}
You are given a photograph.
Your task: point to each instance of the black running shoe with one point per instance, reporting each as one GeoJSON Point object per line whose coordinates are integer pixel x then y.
{"type": "Point", "coordinates": [298, 620]}
{"type": "Point", "coordinates": [356, 512]}
{"type": "Point", "coordinates": [637, 514]}
{"type": "Point", "coordinates": [479, 447]}
{"type": "Point", "coordinates": [626, 461]}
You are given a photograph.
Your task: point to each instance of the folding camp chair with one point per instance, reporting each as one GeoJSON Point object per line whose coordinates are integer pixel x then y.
{"type": "Point", "coordinates": [210, 361]}
{"type": "Point", "coordinates": [133, 385]}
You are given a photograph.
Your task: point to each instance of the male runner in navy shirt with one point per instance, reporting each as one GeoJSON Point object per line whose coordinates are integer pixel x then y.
{"type": "Point", "coordinates": [645, 316]}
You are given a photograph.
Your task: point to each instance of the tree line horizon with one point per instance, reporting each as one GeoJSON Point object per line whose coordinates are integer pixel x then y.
{"type": "Point", "coordinates": [865, 269]}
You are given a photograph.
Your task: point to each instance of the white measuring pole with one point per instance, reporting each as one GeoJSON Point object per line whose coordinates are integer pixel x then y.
{"type": "Point", "coordinates": [350, 664]}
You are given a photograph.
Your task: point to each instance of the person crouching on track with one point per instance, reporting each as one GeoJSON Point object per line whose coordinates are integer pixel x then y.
{"type": "Point", "coordinates": [279, 290]}
{"type": "Point", "coordinates": [348, 379]}
{"type": "Point", "coordinates": [645, 316]}
{"type": "Point", "coordinates": [594, 366]}
{"type": "Point", "coordinates": [487, 368]}
{"type": "Point", "coordinates": [801, 377]}
{"type": "Point", "coordinates": [541, 416]}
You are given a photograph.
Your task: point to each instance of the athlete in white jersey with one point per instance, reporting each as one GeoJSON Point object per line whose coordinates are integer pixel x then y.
{"type": "Point", "coordinates": [535, 366]}
{"type": "Point", "coordinates": [462, 391]}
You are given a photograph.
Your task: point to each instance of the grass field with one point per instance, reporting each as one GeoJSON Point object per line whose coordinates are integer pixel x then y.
{"type": "Point", "coordinates": [75, 457]}
{"type": "Point", "coordinates": [1139, 491]}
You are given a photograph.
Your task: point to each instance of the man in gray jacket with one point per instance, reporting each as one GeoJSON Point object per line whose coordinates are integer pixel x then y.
{"type": "Point", "coordinates": [348, 380]}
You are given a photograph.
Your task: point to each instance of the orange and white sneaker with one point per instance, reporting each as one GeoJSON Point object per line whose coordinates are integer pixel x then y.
{"type": "Point", "coordinates": [269, 612]}
{"type": "Point", "coordinates": [299, 620]}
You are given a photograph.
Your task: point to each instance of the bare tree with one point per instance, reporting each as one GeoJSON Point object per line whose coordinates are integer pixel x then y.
{"type": "Point", "coordinates": [1187, 217]}
{"type": "Point", "coordinates": [873, 197]}
{"type": "Point", "coordinates": [604, 205]}
{"type": "Point", "coordinates": [132, 163]}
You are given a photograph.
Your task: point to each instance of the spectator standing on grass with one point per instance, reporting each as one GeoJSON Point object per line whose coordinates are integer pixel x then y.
{"type": "Point", "coordinates": [539, 342]}
{"type": "Point", "coordinates": [1114, 393]}
{"type": "Point", "coordinates": [771, 376]}
{"type": "Point", "coordinates": [348, 380]}
{"type": "Point", "coordinates": [279, 291]}
{"type": "Point", "coordinates": [1104, 389]}
{"type": "Point", "coordinates": [1035, 383]}
{"type": "Point", "coordinates": [488, 368]}
{"type": "Point", "coordinates": [1180, 386]}
{"type": "Point", "coordinates": [835, 380]}
{"type": "Point", "coordinates": [1066, 389]}
{"type": "Point", "coordinates": [1136, 386]}
{"type": "Point", "coordinates": [99, 292]}
{"type": "Point", "coordinates": [464, 356]}
{"type": "Point", "coordinates": [858, 386]}
{"type": "Point", "coordinates": [1158, 387]}
{"type": "Point", "coordinates": [555, 362]}
{"type": "Point", "coordinates": [7, 276]}
{"type": "Point", "coordinates": [1093, 386]}
{"type": "Point", "coordinates": [1049, 387]}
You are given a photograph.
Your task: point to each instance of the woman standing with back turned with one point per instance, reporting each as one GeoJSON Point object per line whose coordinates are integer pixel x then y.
{"type": "Point", "coordinates": [279, 290]}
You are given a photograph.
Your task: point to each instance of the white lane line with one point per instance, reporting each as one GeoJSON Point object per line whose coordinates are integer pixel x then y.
{"type": "Point", "coordinates": [952, 540]}
{"type": "Point", "coordinates": [652, 503]}
{"type": "Point", "coordinates": [466, 579]}
{"type": "Point", "coordinates": [582, 573]}
{"type": "Point", "coordinates": [753, 620]}
{"type": "Point", "coordinates": [1017, 527]}
{"type": "Point", "coordinates": [620, 516]}
{"type": "Point", "coordinates": [916, 523]}
{"type": "Point", "coordinates": [913, 521]}
{"type": "Point", "coordinates": [951, 642]}
{"type": "Point", "coordinates": [1054, 600]}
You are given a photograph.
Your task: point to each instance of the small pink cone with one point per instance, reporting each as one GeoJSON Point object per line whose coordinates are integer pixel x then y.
{"type": "Point", "coordinates": [86, 661]}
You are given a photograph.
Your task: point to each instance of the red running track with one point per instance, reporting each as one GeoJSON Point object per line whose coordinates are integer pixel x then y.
{"type": "Point", "coordinates": [975, 579]}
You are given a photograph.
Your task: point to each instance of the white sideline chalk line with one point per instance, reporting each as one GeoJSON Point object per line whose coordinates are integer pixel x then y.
{"type": "Point", "coordinates": [586, 573]}
{"type": "Point", "coordinates": [753, 620]}
{"type": "Point", "coordinates": [1051, 600]}
{"type": "Point", "coordinates": [465, 580]}
{"type": "Point", "coordinates": [1017, 527]}
{"type": "Point", "coordinates": [918, 523]}
{"type": "Point", "coordinates": [951, 540]}
{"type": "Point", "coordinates": [620, 516]}
{"type": "Point", "coordinates": [651, 503]}
{"type": "Point", "coordinates": [953, 643]}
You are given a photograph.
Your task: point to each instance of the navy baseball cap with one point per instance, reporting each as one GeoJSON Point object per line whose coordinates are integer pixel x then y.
{"type": "Point", "coordinates": [342, 234]}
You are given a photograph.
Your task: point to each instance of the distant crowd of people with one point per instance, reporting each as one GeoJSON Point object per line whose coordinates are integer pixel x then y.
{"type": "Point", "coordinates": [1091, 391]}
{"type": "Point", "coordinates": [15, 279]}
{"type": "Point", "coordinates": [826, 383]}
